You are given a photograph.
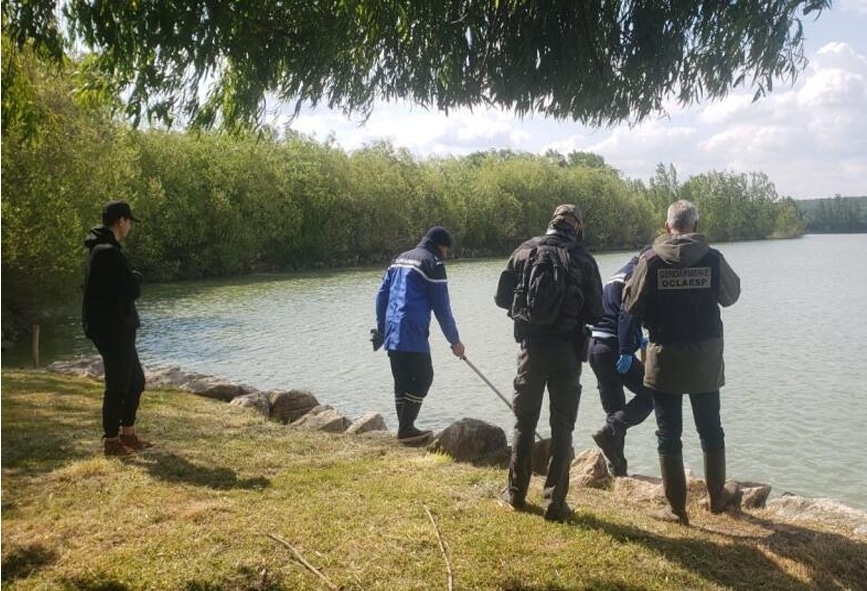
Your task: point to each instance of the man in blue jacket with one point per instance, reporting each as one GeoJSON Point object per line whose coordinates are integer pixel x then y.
{"type": "Point", "coordinates": [414, 286]}
{"type": "Point", "coordinates": [614, 341]}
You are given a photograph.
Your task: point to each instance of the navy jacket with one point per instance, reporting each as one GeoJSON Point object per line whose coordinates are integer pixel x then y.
{"type": "Point", "coordinates": [617, 322]}
{"type": "Point", "coordinates": [414, 285]}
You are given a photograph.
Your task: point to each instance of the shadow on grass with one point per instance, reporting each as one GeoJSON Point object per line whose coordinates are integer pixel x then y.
{"type": "Point", "coordinates": [747, 563]}
{"type": "Point", "coordinates": [23, 561]}
{"type": "Point", "coordinates": [174, 468]}
{"type": "Point", "coordinates": [589, 584]}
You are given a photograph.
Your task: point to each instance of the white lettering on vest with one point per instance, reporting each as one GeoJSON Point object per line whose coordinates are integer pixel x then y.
{"type": "Point", "coordinates": [689, 278]}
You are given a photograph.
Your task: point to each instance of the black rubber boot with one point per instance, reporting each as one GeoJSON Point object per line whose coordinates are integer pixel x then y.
{"type": "Point", "coordinates": [406, 431]}
{"type": "Point", "coordinates": [722, 495]}
{"type": "Point", "coordinates": [674, 485]}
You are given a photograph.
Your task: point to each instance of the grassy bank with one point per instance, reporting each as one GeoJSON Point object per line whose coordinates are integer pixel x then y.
{"type": "Point", "coordinates": [196, 513]}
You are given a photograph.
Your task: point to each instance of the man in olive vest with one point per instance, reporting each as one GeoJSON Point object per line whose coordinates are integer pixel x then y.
{"type": "Point", "coordinates": [677, 288]}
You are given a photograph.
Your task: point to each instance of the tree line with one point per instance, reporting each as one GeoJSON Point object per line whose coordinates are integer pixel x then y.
{"type": "Point", "coordinates": [836, 215]}
{"type": "Point", "coordinates": [216, 205]}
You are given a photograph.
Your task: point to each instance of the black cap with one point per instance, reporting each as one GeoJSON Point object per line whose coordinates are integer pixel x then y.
{"type": "Point", "coordinates": [439, 236]}
{"type": "Point", "coordinates": [114, 210]}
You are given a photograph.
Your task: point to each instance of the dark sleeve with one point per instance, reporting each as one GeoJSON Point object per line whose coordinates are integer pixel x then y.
{"type": "Point", "coordinates": [628, 325]}
{"type": "Point", "coordinates": [593, 308]}
{"type": "Point", "coordinates": [382, 300]}
{"type": "Point", "coordinates": [111, 276]}
{"type": "Point", "coordinates": [506, 286]}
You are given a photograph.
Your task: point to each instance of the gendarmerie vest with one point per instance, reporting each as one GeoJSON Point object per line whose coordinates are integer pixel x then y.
{"type": "Point", "coordinates": [681, 302]}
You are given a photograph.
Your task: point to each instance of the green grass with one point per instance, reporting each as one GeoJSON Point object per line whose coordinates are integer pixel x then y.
{"type": "Point", "coordinates": [194, 514]}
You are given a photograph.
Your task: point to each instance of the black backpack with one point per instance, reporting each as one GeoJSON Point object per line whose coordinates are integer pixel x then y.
{"type": "Point", "coordinates": [542, 285]}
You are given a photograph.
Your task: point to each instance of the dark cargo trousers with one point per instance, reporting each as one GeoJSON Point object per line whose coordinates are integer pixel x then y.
{"type": "Point", "coordinates": [554, 363]}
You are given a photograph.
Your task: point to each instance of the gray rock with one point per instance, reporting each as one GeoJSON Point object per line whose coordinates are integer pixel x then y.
{"type": "Point", "coordinates": [755, 494]}
{"type": "Point", "coordinates": [795, 508]}
{"type": "Point", "coordinates": [589, 470]}
{"type": "Point", "coordinates": [167, 377]}
{"type": "Point", "coordinates": [323, 418]}
{"type": "Point", "coordinates": [87, 367]}
{"type": "Point", "coordinates": [211, 387]}
{"type": "Point", "coordinates": [370, 421]}
{"type": "Point", "coordinates": [469, 440]}
{"type": "Point", "coordinates": [289, 406]}
{"type": "Point", "coordinates": [258, 401]}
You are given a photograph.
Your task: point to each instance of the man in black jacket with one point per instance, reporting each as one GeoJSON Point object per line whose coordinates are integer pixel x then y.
{"type": "Point", "coordinates": [110, 320]}
{"type": "Point", "coordinates": [550, 355]}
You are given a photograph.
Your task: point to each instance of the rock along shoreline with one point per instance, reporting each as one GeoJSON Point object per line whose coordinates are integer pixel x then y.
{"type": "Point", "coordinates": [467, 440]}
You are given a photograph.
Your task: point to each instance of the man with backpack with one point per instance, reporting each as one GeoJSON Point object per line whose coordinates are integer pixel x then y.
{"type": "Point", "coordinates": [552, 289]}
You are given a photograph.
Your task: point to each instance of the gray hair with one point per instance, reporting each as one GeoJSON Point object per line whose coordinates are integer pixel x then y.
{"type": "Point", "coordinates": [682, 215]}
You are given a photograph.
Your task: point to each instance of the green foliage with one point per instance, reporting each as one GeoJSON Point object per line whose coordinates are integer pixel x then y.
{"type": "Point", "coordinates": [522, 55]}
{"type": "Point", "coordinates": [217, 205]}
{"type": "Point", "coordinates": [58, 169]}
{"type": "Point", "coordinates": [837, 214]}
{"type": "Point", "coordinates": [734, 206]}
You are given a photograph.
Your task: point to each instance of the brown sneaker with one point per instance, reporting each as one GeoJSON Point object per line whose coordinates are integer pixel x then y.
{"type": "Point", "coordinates": [113, 446]}
{"type": "Point", "coordinates": [135, 442]}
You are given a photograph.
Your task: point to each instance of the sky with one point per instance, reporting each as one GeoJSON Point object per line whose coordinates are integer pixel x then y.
{"type": "Point", "coordinates": [809, 138]}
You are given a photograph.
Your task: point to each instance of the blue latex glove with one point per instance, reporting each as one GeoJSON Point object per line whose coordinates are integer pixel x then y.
{"type": "Point", "coordinates": [624, 363]}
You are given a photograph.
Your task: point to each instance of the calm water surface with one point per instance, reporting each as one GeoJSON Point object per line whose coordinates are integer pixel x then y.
{"type": "Point", "coordinates": [796, 346]}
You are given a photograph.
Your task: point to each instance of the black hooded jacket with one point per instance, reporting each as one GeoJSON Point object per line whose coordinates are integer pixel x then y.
{"type": "Point", "coordinates": [110, 288]}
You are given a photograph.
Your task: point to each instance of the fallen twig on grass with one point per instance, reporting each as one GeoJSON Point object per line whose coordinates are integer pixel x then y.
{"type": "Point", "coordinates": [442, 546]}
{"type": "Point", "coordinates": [301, 559]}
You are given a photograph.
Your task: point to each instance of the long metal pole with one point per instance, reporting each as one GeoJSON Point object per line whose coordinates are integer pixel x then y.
{"type": "Point", "coordinates": [497, 392]}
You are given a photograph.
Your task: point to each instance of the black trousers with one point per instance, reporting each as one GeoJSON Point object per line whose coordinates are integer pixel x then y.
{"type": "Point", "coordinates": [669, 421]}
{"type": "Point", "coordinates": [413, 375]}
{"type": "Point", "coordinates": [555, 364]}
{"type": "Point", "coordinates": [124, 381]}
{"type": "Point", "coordinates": [620, 415]}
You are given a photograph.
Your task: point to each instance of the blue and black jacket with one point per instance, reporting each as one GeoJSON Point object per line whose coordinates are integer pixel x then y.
{"type": "Point", "coordinates": [617, 322]}
{"type": "Point", "coordinates": [414, 286]}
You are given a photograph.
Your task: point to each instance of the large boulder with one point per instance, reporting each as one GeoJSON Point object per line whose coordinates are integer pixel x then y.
{"type": "Point", "coordinates": [289, 406]}
{"type": "Point", "coordinates": [323, 418]}
{"type": "Point", "coordinates": [469, 440]}
{"type": "Point", "coordinates": [589, 470]}
{"type": "Point", "coordinates": [370, 421]}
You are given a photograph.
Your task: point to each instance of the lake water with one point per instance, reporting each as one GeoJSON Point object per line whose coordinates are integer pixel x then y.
{"type": "Point", "coordinates": [793, 407]}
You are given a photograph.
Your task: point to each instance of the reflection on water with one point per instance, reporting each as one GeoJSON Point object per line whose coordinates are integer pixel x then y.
{"type": "Point", "coordinates": [795, 349]}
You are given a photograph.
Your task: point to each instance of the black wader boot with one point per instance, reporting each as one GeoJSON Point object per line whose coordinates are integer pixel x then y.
{"type": "Point", "coordinates": [674, 485]}
{"type": "Point", "coordinates": [406, 431]}
{"type": "Point", "coordinates": [721, 495]}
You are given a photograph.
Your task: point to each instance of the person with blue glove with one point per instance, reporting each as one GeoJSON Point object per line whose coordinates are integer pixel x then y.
{"type": "Point", "coordinates": [615, 338]}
